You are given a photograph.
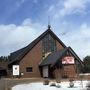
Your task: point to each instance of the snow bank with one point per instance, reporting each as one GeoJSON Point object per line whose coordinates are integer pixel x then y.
{"type": "Point", "coordinates": [39, 86]}
{"type": "Point", "coordinates": [85, 74]}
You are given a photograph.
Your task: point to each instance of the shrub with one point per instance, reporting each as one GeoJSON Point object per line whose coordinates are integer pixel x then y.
{"type": "Point", "coordinates": [88, 85]}
{"type": "Point", "coordinates": [71, 84]}
{"type": "Point", "coordinates": [53, 84]}
{"type": "Point", "coordinates": [58, 81]}
{"type": "Point", "coordinates": [46, 82]}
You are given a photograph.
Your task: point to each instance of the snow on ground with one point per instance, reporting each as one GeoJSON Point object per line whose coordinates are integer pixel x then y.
{"type": "Point", "coordinates": [39, 86]}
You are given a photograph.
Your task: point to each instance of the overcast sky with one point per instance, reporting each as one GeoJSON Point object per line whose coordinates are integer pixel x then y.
{"type": "Point", "coordinates": [21, 21]}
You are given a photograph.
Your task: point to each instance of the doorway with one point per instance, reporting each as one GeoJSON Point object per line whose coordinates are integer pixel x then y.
{"type": "Point", "coordinates": [45, 71]}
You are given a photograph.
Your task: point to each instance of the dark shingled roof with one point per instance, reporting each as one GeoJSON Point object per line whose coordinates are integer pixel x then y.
{"type": "Point", "coordinates": [53, 57]}
{"type": "Point", "coordinates": [75, 55]}
{"type": "Point", "coordinates": [19, 54]}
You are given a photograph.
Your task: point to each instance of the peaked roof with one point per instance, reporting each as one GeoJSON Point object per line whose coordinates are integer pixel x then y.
{"type": "Point", "coordinates": [19, 54]}
{"type": "Point", "coordinates": [75, 55]}
{"type": "Point", "coordinates": [54, 57]}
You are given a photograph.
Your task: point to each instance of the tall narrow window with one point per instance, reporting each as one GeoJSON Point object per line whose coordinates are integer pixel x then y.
{"type": "Point", "coordinates": [49, 44]}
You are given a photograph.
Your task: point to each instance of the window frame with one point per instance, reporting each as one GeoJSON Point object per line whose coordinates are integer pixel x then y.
{"type": "Point", "coordinates": [29, 69]}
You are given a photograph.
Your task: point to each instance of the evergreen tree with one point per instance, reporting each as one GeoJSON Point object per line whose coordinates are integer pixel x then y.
{"type": "Point", "coordinates": [4, 59]}
{"type": "Point", "coordinates": [86, 61]}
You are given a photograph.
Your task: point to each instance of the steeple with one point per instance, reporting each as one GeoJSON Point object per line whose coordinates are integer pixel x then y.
{"type": "Point", "coordinates": [49, 26]}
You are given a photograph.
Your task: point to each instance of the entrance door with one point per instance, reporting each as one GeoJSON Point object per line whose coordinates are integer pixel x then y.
{"type": "Point", "coordinates": [45, 71]}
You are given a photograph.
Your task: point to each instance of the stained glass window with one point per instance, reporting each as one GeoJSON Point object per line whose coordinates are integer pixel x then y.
{"type": "Point", "coordinates": [49, 44]}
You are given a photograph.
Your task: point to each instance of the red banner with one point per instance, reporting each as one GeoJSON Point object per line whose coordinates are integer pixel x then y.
{"type": "Point", "coordinates": [68, 60]}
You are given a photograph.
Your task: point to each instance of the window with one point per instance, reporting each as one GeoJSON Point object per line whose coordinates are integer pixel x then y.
{"type": "Point", "coordinates": [49, 44]}
{"type": "Point", "coordinates": [29, 69]}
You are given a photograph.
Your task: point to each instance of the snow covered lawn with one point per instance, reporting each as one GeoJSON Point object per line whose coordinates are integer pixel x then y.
{"type": "Point", "coordinates": [39, 86]}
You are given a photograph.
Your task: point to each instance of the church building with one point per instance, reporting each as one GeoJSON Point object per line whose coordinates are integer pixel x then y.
{"type": "Point", "coordinates": [47, 56]}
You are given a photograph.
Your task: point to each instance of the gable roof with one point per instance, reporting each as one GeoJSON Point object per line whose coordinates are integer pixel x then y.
{"type": "Point", "coordinates": [54, 57]}
{"type": "Point", "coordinates": [19, 54]}
{"type": "Point", "coordinates": [75, 55]}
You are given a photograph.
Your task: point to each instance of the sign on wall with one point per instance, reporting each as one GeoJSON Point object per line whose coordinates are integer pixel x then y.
{"type": "Point", "coordinates": [15, 69]}
{"type": "Point", "coordinates": [68, 60]}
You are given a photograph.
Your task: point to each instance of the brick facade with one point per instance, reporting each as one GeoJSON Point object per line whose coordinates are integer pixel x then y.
{"type": "Point", "coordinates": [59, 46]}
{"type": "Point", "coordinates": [3, 65]}
{"type": "Point", "coordinates": [32, 59]}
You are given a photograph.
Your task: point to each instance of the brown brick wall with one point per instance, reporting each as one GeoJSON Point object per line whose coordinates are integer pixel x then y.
{"type": "Point", "coordinates": [3, 65]}
{"type": "Point", "coordinates": [70, 71]}
{"type": "Point", "coordinates": [57, 73]}
{"type": "Point", "coordinates": [59, 46]}
{"type": "Point", "coordinates": [32, 59]}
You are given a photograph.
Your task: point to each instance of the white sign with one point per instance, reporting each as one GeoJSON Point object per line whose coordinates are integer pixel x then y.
{"type": "Point", "coordinates": [68, 60]}
{"type": "Point", "coordinates": [15, 69]}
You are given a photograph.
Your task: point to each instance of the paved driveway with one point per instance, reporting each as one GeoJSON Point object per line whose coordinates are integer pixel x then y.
{"type": "Point", "coordinates": [2, 84]}
{"type": "Point", "coordinates": [5, 83]}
